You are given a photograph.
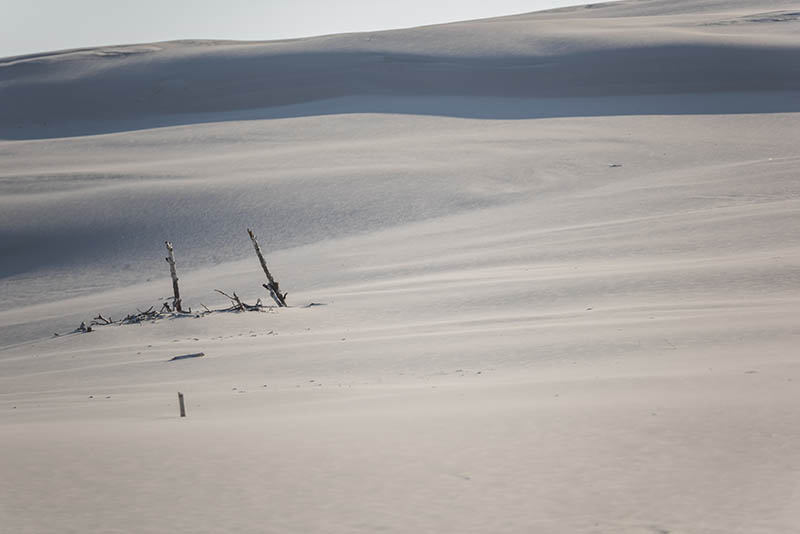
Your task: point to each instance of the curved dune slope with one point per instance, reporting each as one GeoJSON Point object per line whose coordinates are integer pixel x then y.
{"type": "Point", "coordinates": [319, 138]}
{"type": "Point", "coordinates": [628, 48]}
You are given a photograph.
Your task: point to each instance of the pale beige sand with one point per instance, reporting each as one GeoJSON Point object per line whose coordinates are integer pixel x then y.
{"type": "Point", "coordinates": [517, 336]}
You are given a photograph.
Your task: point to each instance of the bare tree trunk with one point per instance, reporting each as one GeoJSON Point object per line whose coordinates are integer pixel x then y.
{"type": "Point", "coordinates": [272, 285]}
{"type": "Point", "coordinates": [171, 260]}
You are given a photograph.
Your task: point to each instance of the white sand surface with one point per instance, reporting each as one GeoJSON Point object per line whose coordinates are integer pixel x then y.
{"type": "Point", "coordinates": [555, 255]}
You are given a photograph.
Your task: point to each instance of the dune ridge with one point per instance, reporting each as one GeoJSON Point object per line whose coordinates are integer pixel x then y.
{"type": "Point", "coordinates": [625, 48]}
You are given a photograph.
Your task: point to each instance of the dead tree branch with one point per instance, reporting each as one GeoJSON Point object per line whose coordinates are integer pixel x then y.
{"type": "Point", "coordinates": [172, 271]}
{"type": "Point", "coordinates": [238, 304]}
{"type": "Point", "coordinates": [100, 320]}
{"type": "Point", "coordinates": [271, 286]}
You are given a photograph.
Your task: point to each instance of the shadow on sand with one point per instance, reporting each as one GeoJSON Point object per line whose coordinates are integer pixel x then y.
{"type": "Point", "coordinates": [129, 93]}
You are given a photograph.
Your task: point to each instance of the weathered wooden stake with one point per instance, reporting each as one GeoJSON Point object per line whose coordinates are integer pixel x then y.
{"type": "Point", "coordinates": [183, 407]}
{"type": "Point", "coordinates": [171, 260]}
{"type": "Point", "coordinates": [272, 285]}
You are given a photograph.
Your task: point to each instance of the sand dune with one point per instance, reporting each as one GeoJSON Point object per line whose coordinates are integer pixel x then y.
{"type": "Point", "coordinates": [554, 252]}
{"type": "Point", "coordinates": [628, 48]}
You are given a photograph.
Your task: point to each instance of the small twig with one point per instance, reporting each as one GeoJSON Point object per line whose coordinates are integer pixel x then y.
{"type": "Point", "coordinates": [223, 293]}
{"type": "Point", "coordinates": [237, 302]}
{"type": "Point", "coordinates": [100, 320]}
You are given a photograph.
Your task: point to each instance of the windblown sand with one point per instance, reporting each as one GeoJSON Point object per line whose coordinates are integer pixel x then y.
{"type": "Point", "coordinates": [556, 257]}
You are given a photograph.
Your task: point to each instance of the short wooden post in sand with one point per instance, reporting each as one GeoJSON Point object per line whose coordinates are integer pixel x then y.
{"type": "Point", "coordinates": [271, 285]}
{"type": "Point", "coordinates": [180, 403]}
{"type": "Point", "coordinates": [171, 260]}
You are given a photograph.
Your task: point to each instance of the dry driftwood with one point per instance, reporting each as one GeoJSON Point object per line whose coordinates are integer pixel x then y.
{"type": "Point", "coordinates": [100, 320]}
{"type": "Point", "coordinates": [140, 316]}
{"type": "Point", "coordinates": [238, 305]}
{"type": "Point", "coordinates": [181, 404]}
{"type": "Point", "coordinates": [271, 285]}
{"type": "Point", "coordinates": [177, 306]}
{"type": "Point", "coordinates": [172, 271]}
{"type": "Point", "coordinates": [151, 314]}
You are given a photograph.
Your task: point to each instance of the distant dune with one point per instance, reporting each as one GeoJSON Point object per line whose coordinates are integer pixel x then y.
{"type": "Point", "coordinates": [627, 48]}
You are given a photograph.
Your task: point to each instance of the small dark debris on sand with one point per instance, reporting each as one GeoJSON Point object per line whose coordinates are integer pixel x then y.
{"type": "Point", "coordinates": [187, 356]}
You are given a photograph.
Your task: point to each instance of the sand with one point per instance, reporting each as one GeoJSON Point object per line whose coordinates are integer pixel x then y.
{"type": "Point", "coordinates": [554, 257]}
